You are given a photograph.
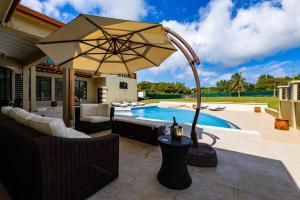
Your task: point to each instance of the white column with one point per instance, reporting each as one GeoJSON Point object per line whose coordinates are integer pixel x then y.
{"type": "Point", "coordinates": [280, 93]}
{"type": "Point", "coordinates": [52, 88]}
{"type": "Point", "coordinates": [26, 77]}
{"type": "Point", "coordinates": [29, 93]}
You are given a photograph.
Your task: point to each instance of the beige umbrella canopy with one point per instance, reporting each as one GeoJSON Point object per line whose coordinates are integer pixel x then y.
{"type": "Point", "coordinates": [104, 45]}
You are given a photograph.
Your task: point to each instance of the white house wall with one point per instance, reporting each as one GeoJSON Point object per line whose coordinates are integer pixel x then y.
{"type": "Point", "coordinates": [114, 93]}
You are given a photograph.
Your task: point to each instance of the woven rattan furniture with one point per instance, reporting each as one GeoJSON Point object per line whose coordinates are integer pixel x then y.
{"type": "Point", "coordinates": [141, 130]}
{"type": "Point", "coordinates": [89, 127]}
{"type": "Point", "coordinates": [174, 173]}
{"type": "Point", "coordinates": [37, 166]}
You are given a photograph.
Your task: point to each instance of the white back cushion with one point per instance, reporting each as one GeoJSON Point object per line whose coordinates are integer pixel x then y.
{"type": "Point", "coordinates": [5, 110]}
{"type": "Point", "coordinates": [22, 117]}
{"type": "Point", "coordinates": [103, 110]}
{"type": "Point", "coordinates": [12, 112]}
{"type": "Point", "coordinates": [88, 109]}
{"type": "Point", "coordinates": [76, 134]}
{"type": "Point", "coordinates": [48, 126]}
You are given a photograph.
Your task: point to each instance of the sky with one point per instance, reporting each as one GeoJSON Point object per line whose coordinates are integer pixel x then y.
{"type": "Point", "coordinates": [253, 37]}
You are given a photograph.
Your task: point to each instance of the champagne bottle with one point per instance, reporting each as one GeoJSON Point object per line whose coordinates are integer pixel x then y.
{"type": "Point", "coordinates": [175, 124]}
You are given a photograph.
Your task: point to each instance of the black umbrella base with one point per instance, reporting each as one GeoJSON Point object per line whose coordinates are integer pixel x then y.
{"type": "Point", "coordinates": [203, 156]}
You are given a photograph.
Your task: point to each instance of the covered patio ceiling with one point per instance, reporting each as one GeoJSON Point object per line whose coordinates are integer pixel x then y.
{"type": "Point", "coordinates": [18, 47]}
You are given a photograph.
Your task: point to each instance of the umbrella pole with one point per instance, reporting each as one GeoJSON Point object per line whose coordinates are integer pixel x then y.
{"type": "Point", "coordinates": [183, 45]}
{"type": "Point", "coordinates": [68, 96]}
{"type": "Point", "coordinates": [196, 152]}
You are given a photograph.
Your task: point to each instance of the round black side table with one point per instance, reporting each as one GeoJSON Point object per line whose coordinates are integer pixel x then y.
{"type": "Point", "coordinates": [173, 173]}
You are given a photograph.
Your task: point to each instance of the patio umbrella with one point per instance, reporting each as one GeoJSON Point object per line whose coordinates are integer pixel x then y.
{"type": "Point", "coordinates": [104, 45]}
{"type": "Point", "coordinates": [113, 46]}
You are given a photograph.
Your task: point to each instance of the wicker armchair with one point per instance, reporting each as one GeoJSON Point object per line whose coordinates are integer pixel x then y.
{"type": "Point", "coordinates": [93, 127]}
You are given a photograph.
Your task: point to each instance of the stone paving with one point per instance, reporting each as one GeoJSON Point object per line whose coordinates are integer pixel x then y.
{"type": "Point", "coordinates": [249, 168]}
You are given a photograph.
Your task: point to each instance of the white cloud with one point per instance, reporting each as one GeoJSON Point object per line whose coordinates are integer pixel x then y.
{"type": "Point", "coordinates": [33, 4]}
{"type": "Point", "coordinates": [253, 33]}
{"type": "Point", "coordinates": [132, 10]}
{"type": "Point", "coordinates": [206, 76]}
{"type": "Point", "coordinates": [274, 68]}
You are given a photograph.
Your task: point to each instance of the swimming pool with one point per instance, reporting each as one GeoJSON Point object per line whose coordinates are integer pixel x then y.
{"type": "Point", "coordinates": [182, 115]}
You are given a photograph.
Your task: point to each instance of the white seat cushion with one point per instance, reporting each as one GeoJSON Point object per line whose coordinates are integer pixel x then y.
{"type": "Point", "coordinates": [94, 119]}
{"type": "Point", "coordinates": [88, 110]}
{"type": "Point", "coordinates": [103, 110]}
{"type": "Point", "coordinates": [5, 110]}
{"type": "Point", "coordinates": [12, 112]}
{"type": "Point", "coordinates": [154, 124]}
{"type": "Point", "coordinates": [48, 126]}
{"type": "Point", "coordinates": [22, 117]}
{"type": "Point", "coordinates": [76, 134]}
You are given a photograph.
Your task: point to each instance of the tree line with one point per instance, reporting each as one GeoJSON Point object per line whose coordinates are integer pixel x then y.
{"type": "Point", "coordinates": [237, 83]}
{"type": "Point", "coordinates": [163, 88]}
{"type": "Point", "coordinates": [265, 82]}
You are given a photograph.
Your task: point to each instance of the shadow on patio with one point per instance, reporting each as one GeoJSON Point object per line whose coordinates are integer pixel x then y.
{"type": "Point", "coordinates": [238, 176]}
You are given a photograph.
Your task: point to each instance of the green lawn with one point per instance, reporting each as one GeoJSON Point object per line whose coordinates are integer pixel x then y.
{"type": "Point", "coordinates": [272, 102]}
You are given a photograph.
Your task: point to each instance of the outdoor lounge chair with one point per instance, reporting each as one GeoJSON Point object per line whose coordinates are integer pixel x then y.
{"type": "Point", "coordinates": [92, 118]}
{"type": "Point", "coordinates": [194, 106]}
{"type": "Point", "coordinates": [140, 104]}
{"type": "Point", "coordinates": [36, 165]}
{"type": "Point", "coordinates": [132, 104]}
{"type": "Point", "coordinates": [138, 129]}
{"type": "Point", "coordinates": [217, 108]}
{"type": "Point", "coordinates": [118, 104]}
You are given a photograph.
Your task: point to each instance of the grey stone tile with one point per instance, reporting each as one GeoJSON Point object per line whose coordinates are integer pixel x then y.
{"type": "Point", "coordinates": [144, 190]}
{"type": "Point", "coordinates": [203, 188]}
{"type": "Point", "coordinates": [225, 173]}
{"type": "Point", "coordinates": [266, 177]}
{"type": "Point", "coordinates": [248, 196]}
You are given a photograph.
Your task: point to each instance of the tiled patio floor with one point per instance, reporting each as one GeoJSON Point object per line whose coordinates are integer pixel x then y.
{"type": "Point", "coordinates": [251, 166]}
{"type": "Point", "coordinates": [238, 176]}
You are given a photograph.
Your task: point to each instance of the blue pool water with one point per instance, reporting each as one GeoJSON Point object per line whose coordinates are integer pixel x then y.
{"type": "Point", "coordinates": [184, 116]}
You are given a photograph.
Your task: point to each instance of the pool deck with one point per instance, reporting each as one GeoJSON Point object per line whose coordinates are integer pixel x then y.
{"type": "Point", "coordinates": [251, 166]}
{"type": "Point", "coordinates": [262, 164]}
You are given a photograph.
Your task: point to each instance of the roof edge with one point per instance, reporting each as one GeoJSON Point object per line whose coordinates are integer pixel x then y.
{"type": "Point", "coordinates": [39, 16]}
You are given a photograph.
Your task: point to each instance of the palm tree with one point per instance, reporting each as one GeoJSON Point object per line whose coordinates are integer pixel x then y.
{"type": "Point", "coordinates": [221, 85]}
{"type": "Point", "coordinates": [237, 83]}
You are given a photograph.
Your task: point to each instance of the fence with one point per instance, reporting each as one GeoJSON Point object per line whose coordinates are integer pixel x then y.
{"type": "Point", "coordinates": [225, 94]}
{"type": "Point", "coordinates": [164, 96]}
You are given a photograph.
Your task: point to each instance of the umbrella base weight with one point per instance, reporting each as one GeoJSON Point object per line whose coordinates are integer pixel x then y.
{"type": "Point", "coordinates": [203, 156]}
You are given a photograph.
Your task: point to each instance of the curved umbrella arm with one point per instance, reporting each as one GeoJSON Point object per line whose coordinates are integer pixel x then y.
{"type": "Point", "coordinates": [191, 61]}
{"type": "Point", "coordinates": [191, 50]}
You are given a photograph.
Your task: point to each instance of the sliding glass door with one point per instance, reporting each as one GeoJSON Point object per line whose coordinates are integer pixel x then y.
{"type": "Point", "coordinates": [5, 86]}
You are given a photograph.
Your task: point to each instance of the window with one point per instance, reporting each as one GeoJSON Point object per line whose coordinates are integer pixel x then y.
{"type": "Point", "coordinates": [5, 84]}
{"type": "Point", "coordinates": [58, 89]}
{"type": "Point", "coordinates": [43, 88]}
{"type": "Point", "coordinates": [81, 89]}
{"type": "Point", "coordinates": [286, 93]}
{"type": "Point", "coordinates": [298, 96]}
{"type": "Point", "coordinates": [19, 86]}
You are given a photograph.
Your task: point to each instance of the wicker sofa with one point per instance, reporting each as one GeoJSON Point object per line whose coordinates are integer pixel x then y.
{"type": "Point", "coordinates": [138, 129]}
{"type": "Point", "coordinates": [38, 166]}
{"type": "Point", "coordinates": [92, 118]}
